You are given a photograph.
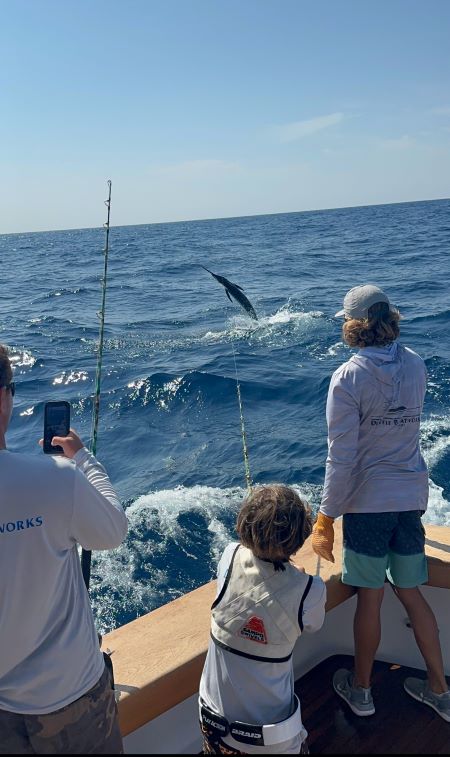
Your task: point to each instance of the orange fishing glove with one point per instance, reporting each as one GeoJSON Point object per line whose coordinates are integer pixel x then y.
{"type": "Point", "coordinates": [323, 536]}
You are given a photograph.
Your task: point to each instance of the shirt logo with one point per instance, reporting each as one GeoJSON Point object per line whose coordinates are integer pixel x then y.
{"type": "Point", "coordinates": [253, 630]}
{"type": "Point", "coordinates": [397, 416]}
{"type": "Point", "coordinates": [20, 525]}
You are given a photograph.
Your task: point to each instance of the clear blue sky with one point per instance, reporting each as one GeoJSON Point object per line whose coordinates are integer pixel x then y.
{"type": "Point", "coordinates": [211, 108]}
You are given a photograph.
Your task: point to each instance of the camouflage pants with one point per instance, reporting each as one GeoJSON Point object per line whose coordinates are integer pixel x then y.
{"type": "Point", "coordinates": [89, 725]}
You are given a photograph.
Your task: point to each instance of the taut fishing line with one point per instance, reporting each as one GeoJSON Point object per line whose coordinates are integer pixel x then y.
{"type": "Point", "coordinates": [248, 478]}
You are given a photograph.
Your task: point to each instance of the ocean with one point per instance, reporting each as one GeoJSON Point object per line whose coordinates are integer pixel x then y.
{"type": "Point", "coordinates": [169, 433]}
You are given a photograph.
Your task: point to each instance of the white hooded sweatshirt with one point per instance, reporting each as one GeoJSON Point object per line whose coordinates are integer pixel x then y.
{"type": "Point", "coordinates": [374, 462]}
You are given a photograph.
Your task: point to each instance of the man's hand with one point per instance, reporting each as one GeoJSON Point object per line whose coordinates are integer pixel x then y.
{"type": "Point", "coordinates": [70, 443]}
{"type": "Point", "coordinates": [323, 536]}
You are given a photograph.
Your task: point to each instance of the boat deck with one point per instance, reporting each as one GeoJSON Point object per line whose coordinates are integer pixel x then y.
{"type": "Point", "coordinates": [400, 725]}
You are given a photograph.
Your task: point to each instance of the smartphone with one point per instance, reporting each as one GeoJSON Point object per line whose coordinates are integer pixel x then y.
{"type": "Point", "coordinates": [56, 423]}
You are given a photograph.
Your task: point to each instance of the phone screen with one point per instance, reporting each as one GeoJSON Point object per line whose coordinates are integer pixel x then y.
{"type": "Point", "coordinates": [56, 423]}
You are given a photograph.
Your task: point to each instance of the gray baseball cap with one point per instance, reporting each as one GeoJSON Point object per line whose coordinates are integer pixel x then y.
{"type": "Point", "coordinates": [358, 300]}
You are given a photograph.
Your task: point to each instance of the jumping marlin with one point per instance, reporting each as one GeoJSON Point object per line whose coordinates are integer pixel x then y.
{"type": "Point", "coordinates": [235, 291]}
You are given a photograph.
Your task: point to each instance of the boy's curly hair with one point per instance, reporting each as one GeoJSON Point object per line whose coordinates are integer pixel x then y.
{"type": "Point", "coordinates": [274, 522]}
{"type": "Point", "coordinates": [378, 330]}
{"type": "Point", "coordinates": [6, 373]}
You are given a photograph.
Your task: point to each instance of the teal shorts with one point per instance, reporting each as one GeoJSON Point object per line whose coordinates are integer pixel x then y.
{"type": "Point", "coordinates": [377, 545]}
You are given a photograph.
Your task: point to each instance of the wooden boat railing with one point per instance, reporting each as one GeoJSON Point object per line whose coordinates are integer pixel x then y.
{"type": "Point", "coordinates": [158, 658]}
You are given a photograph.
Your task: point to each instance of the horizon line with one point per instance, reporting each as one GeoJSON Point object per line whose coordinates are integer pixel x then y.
{"type": "Point", "coordinates": [224, 218]}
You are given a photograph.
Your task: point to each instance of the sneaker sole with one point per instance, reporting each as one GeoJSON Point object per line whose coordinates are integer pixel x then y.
{"type": "Point", "coordinates": [361, 713]}
{"type": "Point", "coordinates": [430, 704]}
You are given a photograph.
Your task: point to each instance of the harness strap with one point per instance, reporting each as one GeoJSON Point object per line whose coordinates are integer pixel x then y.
{"type": "Point", "coordinates": [226, 582]}
{"type": "Point", "coordinates": [302, 602]}
{"type": "Point", "coordinates": [250, 733]}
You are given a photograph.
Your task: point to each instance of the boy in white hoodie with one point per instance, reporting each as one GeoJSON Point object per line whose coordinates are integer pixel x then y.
{"type": "Point", "coordinates": [377, 479]}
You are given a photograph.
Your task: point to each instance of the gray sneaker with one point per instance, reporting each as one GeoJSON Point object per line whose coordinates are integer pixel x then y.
{"type": "Point", "coordinates": [420, 690]}
{"type": "Point", "coordinates": [358, 699]}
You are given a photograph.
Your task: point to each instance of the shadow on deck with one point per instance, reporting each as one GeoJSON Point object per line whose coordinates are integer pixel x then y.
{"type": "Point", "coordinates": [400, 725]}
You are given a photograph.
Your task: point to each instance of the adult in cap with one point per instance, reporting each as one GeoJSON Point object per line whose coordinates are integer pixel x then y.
{"type": "Point", "coordinates": [377, 479]}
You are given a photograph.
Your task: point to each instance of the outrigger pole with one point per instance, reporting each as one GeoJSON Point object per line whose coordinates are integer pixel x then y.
{"type": "Point", "coordinates": [86, 555]}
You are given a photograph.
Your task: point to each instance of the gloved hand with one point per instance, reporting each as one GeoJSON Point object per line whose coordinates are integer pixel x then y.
{"type": "Point", "coordinates": [323, 536]}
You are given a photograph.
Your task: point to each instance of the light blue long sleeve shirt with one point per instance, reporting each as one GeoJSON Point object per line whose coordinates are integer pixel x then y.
{"type": "Point", "coordinates": [374, 462]}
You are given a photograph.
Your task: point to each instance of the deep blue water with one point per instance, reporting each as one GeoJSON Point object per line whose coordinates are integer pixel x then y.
{"type": "Point", "coordinates": [169, 427]}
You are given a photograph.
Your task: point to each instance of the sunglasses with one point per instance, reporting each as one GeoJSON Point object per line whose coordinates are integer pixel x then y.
{"type": "Point", "coordinates": [11, 386]}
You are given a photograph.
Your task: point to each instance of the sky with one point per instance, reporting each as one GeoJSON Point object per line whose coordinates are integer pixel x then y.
{"type": "Point", "coordinates": [216, 108]}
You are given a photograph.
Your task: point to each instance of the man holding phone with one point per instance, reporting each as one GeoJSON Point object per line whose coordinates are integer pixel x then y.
{"type": "Point", "coordinates": [55, 693]}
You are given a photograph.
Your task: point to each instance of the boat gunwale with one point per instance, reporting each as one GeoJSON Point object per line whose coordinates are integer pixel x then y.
{"type": "Point", "coordinates": [158, 658]}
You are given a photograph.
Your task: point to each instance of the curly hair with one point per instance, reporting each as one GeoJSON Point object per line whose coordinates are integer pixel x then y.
{"type": "Point", "coordinates": [6, 373]}
{"type": "Point", "coordinates": [378, 330]}
{"type": "Point", "coordinates": [274, 522]}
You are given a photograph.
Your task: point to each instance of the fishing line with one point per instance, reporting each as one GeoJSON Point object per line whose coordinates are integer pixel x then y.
{"type": "Point", "coordinates": [236, 291]}
{"type": "Point", "coordinates": [248, 478]}
{"type": "Point", "coordinates": [86, 555]}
